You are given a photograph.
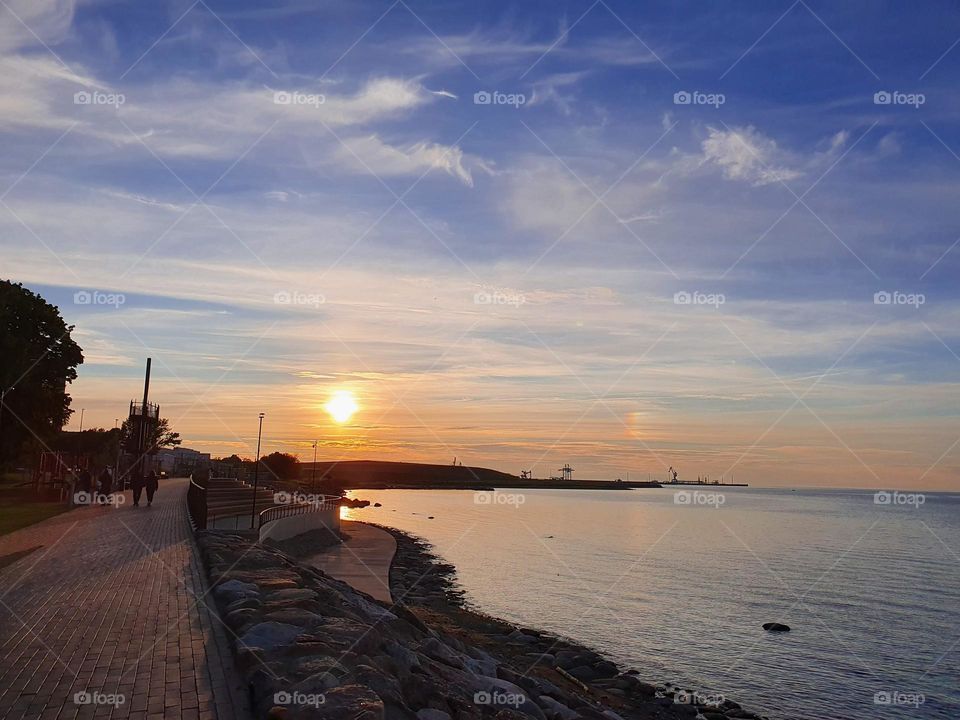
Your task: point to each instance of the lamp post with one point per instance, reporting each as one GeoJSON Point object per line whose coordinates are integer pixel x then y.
{"type": "Point", "coordinates": [256, 475]}
{"type": "Point", "coordinates": [313, 471]}
{"type": "Point", "coordinates": [82, 411]}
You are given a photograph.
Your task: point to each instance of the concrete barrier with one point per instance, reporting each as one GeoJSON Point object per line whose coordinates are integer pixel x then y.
{"type": "Point", "coordinates": [316, 518]}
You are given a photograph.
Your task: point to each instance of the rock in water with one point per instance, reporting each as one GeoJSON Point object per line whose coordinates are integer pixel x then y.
{"type": "Point", "coordinates": [776, 627]}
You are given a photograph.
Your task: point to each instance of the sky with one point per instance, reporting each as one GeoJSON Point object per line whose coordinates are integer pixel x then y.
{"type": "Point", "coordinates": [721, 237]}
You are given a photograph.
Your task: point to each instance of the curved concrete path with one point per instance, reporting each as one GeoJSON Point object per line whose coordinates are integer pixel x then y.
{"type": "Point", "coordinates": [362, 560]}
{"type": "Point", "coordinates": [113, 602]}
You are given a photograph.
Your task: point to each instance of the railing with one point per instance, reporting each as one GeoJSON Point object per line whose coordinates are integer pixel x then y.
{"type": "Point", "coordinates": [197, 504]}
{"type": "Point", "coordinates": [315, 504]}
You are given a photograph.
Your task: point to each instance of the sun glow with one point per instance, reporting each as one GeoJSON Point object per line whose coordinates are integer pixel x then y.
{"type": "Point", "coordinates": [341, 406]}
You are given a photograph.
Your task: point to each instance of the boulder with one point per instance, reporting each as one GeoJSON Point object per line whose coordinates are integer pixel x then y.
{"type": "Point", "coordinates": [776, 627]}
{"type": "Point", "coordinates": [243, 604]}
{"type": "Point", "coordinates": [584, 673]}
{"type": "Point", "coordinates": [295, 616]}
{"type": "Point", "coordinates": [355, 702]}
{"type": "Point", "coordinates": [293, 593]}
{"type": "Point", "coordinates": [269, 635]}
{"type": "Point", "coordinates": [432, 713]}
{"type": "Point", "coordinates": [233, 590]}
{"type": "Point", "coordinates": [555, 710]}
{"type": "Point", "coordinates": [238, 620]}
{"type": "Point", "coordinates": [434, 648]}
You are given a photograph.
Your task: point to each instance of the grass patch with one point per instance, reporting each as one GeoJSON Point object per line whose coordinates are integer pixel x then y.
{"type": "Point", "coordinates": [16, 515]}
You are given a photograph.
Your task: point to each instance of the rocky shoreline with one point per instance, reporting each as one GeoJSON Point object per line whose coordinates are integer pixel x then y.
{"type": "Point", "coordinates": [310, 646]}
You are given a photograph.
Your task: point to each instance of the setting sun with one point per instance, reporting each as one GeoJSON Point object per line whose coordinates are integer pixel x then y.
{"type": "Point", "coordinates": [341, 406]}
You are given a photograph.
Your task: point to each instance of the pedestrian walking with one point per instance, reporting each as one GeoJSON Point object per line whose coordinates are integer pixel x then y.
{"type": "Point", "coordinates": [136, 484]}
{"type": "Point", "coordinates": [106, 482]}
{"type": "Point", "coordinates": [152, 482]}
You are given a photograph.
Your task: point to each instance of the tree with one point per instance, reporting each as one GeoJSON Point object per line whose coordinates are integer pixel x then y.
{"type": "Point", "coordinates": [38, 357]}
{"type": "Point", "coordinates": [283, 465]}
{"type": "Point", "coordinates": [161, 436]}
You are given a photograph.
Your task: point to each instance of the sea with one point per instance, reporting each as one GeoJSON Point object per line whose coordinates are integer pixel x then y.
{"type": "Point", "coordinates": [677, 583]}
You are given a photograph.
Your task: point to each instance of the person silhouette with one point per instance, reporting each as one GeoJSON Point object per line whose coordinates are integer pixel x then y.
{"type": "Point", "coordinates": [152, 482]}
{"type": "Point", "coordinates": [136, 484]}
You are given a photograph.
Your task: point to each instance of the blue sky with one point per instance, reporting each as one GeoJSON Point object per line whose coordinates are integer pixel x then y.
{"type": "Point", "coordinates": [299, 198]}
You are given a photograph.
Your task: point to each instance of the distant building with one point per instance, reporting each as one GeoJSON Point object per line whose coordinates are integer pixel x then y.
{"type": "Point", "coordinates": [181, 460]}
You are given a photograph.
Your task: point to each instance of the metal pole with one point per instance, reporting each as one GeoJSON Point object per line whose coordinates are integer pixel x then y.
{"type": "Point", "coordinates": [142, 427]}
{"type": "Point", "coordinates": [313, 472]}
{"type": "Point", "coordinates": [256, 474]}
{"type": "Point", "coordinates": [82, 411]}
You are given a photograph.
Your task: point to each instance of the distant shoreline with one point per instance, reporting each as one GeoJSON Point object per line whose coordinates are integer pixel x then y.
{"type": "Point", "coordinates": [392, 475]}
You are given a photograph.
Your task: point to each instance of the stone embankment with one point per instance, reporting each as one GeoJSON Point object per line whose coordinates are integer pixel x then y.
{"type": "Point", "coordinates": [310, 646]}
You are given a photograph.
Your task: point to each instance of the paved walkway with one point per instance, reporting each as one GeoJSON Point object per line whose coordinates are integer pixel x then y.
{"type": "Point", "coordinates": [112, 602]}
{"type": "Point", "coordinates": [362, 560]}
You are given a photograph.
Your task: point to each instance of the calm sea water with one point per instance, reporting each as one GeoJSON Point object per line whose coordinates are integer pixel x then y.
{"type": "Point", "coordinates": [679, 591]}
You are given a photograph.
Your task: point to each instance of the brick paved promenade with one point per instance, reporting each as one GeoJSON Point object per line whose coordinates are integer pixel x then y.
{"type": "Point", "coordinates": [107, 604]}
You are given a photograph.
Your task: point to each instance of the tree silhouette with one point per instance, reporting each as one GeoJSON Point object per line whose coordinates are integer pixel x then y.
{"type": "Point", "coordinates": [38, 357]}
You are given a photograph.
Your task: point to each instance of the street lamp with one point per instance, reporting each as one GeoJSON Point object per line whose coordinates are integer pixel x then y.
{"type": "Point", "coordinates": [313, 472]}
{"type": "Point", "coordinates": [256, 474]}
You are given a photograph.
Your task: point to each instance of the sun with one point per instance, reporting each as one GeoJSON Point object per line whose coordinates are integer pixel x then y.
{"type": "Point", "coordinates": [341, 406]}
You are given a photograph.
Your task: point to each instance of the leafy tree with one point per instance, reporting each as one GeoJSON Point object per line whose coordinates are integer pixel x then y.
{"type": "Point", "coordinates": [284, 465]}
{"type": "Point", "coordinates": [98, 444]}
{"type": "Point", "coordinates": [161, 436]}
{"type": "Point", "coordinates": [38, 357]}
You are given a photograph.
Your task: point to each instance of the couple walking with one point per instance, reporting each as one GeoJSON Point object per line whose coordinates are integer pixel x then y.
{"type": "Point", "coordinates": [137, 484]}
